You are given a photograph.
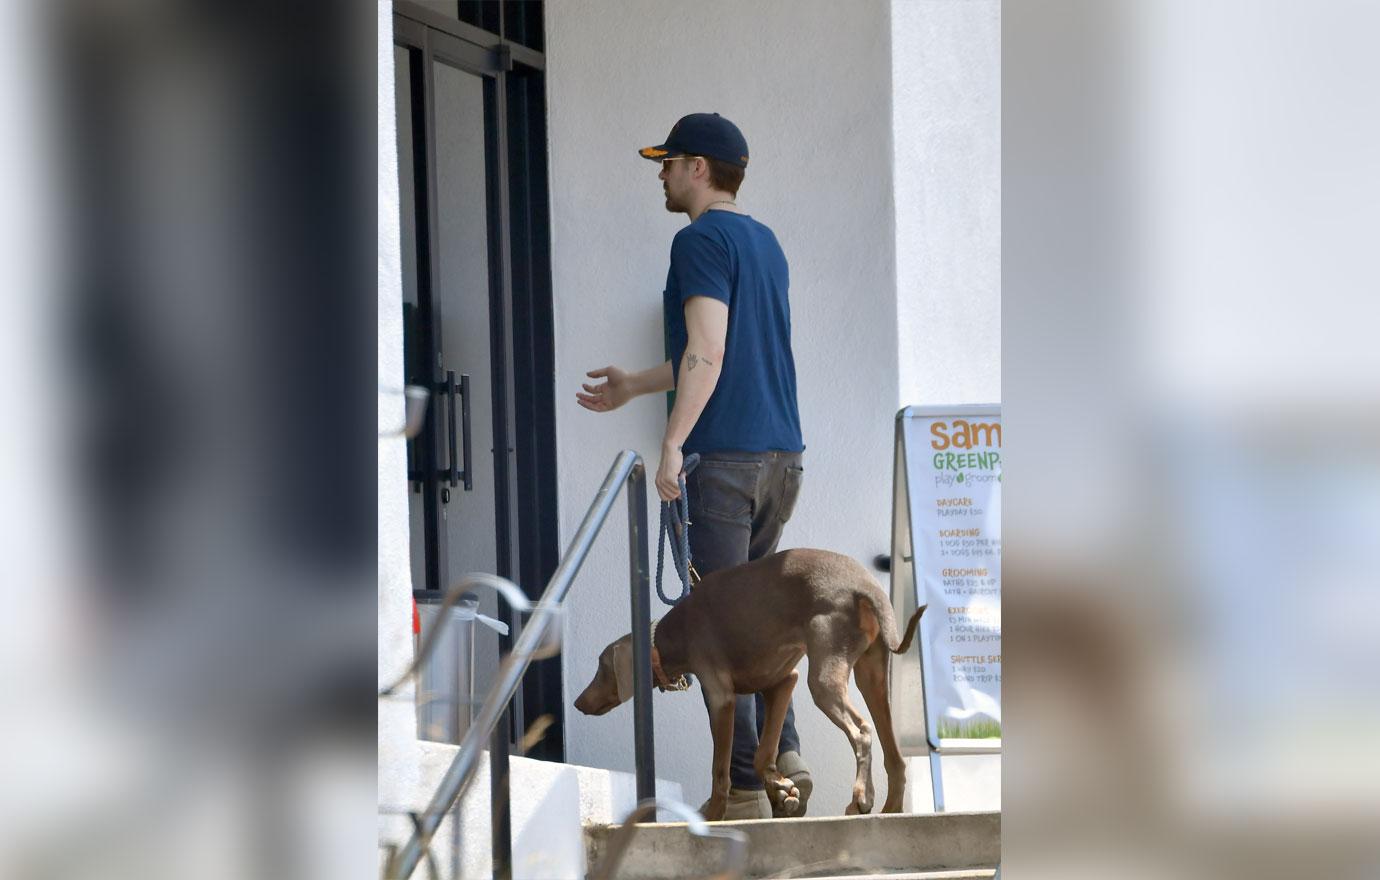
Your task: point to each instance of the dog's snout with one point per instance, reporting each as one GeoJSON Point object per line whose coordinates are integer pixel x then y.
{"type": "Point", "coordinates": [587, 705]}
{"type": "Point", "coordinates": [583, 701]}
{"type": "Point", "coordinates": [595, 700]}
{"type": "Point", "coordinates": [589, 701]}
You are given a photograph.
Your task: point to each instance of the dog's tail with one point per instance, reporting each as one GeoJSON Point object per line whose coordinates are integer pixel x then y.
{"type": "Point", "coordinates": [910, 632]}
{"type": "Point", "coordinates": [886, 619]}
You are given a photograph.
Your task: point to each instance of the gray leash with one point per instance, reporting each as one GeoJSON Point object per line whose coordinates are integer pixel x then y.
{"type": "Point", "coordinates": [675, 530]}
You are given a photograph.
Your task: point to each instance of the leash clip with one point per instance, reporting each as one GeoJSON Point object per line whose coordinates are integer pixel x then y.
{"type": "Point", "coordinates": [681, 682]}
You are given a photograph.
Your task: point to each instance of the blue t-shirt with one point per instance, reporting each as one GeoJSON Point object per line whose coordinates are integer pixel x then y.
{"type": "Point", "coordinates": [736, 260]}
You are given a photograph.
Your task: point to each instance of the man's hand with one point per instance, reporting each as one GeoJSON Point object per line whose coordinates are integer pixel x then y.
{"type": "Point", "coordinates": [668, 474]}
{"type": "Point", "coordinates": [613, 393]}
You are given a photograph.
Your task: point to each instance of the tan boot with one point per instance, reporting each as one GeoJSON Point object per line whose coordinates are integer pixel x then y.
{"type": "Point", "coordinates": [793, 768]}
{"type": "Point", "coordinates": [745, 803]}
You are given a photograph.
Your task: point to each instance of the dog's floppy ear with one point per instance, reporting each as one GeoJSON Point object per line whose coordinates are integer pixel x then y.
{"type": "Point", "coordinates": [623, 669]}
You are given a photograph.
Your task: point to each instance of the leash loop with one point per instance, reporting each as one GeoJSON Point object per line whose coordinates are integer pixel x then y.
{"type": "Point", "coordinates": [675, 530]}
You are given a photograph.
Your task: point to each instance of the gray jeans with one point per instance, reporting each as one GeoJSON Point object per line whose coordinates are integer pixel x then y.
{"type": "Point", "coordinates": [739, 504]}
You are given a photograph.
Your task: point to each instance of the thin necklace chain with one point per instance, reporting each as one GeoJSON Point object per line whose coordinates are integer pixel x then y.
{"type": "Point", "coordinates": [720, 202]}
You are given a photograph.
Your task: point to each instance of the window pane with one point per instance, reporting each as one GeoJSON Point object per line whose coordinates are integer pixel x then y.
{"type": "Point", "coordinates": [480, 13]}
{"type": "Point", "coordinates": [522, 22]}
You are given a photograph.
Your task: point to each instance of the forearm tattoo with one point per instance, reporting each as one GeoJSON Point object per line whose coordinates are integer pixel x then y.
{"type": "Point", "coordinates": [692, 360]}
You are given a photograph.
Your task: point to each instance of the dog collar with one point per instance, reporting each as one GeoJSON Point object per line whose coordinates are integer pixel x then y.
{"type": "Point", "coordinates": [662, 682]}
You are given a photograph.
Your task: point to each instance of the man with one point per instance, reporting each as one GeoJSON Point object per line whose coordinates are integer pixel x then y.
{"type": "Point", "coordinates": [728, 335]}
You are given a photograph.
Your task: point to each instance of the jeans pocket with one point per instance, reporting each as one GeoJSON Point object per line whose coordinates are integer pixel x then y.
{"type": "Point", "coordinates": [726, 489]}
{"type": "Point", "coordinates": [790, 492]}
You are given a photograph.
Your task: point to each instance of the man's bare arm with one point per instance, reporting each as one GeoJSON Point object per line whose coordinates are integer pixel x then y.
{"type": "Point", "coordinates": [658, 378]}
{"type": "Point", "coordinates": [706, 323]}
{"type": "Point", "coordinates": [620, 386]}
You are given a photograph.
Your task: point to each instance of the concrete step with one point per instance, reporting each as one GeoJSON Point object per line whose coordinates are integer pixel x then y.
{"type": "Point", "coordinates": [817, 847]}
{"type": "Point", "coordinates": [549, 804]}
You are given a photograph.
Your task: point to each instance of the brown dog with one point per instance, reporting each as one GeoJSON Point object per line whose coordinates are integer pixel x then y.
{"type": "Point", "coordinates": [744, 629]}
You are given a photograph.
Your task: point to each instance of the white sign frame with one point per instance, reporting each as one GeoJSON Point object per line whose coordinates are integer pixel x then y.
{"type": "Point", "coordinates": [917, 728]}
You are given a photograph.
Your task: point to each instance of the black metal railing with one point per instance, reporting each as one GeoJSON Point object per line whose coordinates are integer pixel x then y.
{"type": "Point", "coordinates": [628, 470]}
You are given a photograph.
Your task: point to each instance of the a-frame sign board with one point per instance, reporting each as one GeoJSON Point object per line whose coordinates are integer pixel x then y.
{"type": "Point", "coordinates": [946, 556]}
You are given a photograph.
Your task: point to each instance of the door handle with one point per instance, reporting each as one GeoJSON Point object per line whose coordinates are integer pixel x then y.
{"type": "Point", "coordinates": [455, 475]}
{"type": "Point", "coordinates": [450, 434]}
{"type": "Point", "coordinates": [468, 475]}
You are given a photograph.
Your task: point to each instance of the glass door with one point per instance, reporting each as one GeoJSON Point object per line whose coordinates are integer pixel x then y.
{"type": "Point", "coordinates": [459, 466]}
{"type": "Point", "coordinates": [477, 304]}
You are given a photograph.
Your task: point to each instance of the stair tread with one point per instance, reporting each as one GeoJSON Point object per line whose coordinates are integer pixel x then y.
{"type": "Point", "coordinates": [806, 821]}
{"type": "Point", "coordinates": [899, 846]}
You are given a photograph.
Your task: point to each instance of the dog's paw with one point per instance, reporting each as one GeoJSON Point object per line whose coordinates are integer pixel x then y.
{"type": "Point", "coordinates": [857, 807]}
{"type": "Point", "coordinates": [862, 799]}
{"type": "Point", "coordinates": [784, 795]}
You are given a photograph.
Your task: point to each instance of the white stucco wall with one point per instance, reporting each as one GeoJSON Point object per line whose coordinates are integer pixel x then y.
{"type": "Point", "coordinates": [809, 83]}
{"type": "Point", "coordinates": [946, 65]}
{"type": "Point", "coordinates": [397, 720]}
{"type": "Point", "coordinates": [946, 70]}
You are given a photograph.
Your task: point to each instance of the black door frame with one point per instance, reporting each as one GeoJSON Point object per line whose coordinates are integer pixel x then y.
{"type": "Point", "coordinates": [521, 334]}
{"type": "Point", "coordinates": [425, 48]}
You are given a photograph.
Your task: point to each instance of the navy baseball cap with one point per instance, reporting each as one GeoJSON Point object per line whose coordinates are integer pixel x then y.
{"type": "Point", "coordinates": [702, 134]}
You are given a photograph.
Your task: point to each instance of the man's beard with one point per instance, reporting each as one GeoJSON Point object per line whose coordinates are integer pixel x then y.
{"type": "Point", "coordinates": [674, 206]}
